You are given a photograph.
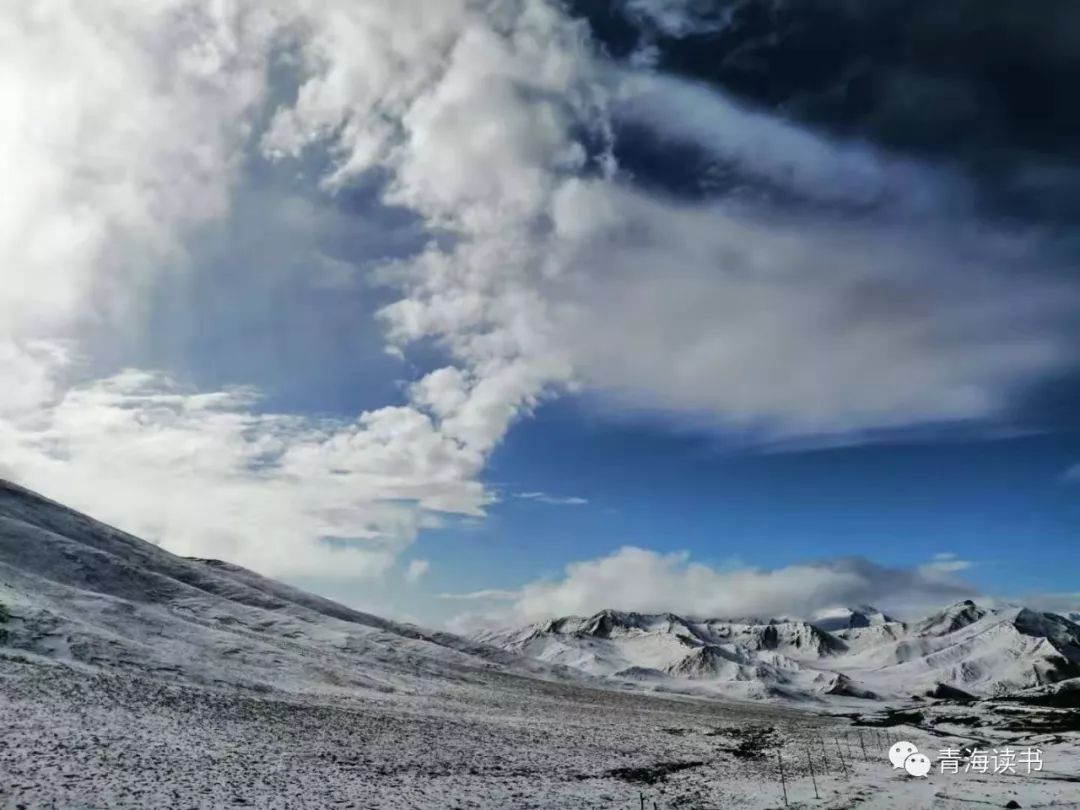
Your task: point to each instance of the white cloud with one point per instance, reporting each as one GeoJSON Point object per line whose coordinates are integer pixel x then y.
{"type": "Point", "coordinates": [946, 563]}
{"type": "Point", "coordinates": [120, 127]}
{"type": "Point", "coordinates": [552, 500]}
{"type": "Point", "coordinates": [770, 149]}
{"type": "Point", "coordinates": [208, 476]}
{"type": "Point", "coordinates": [128, 123]}
{"type": "Point", "coordinates": [798, 328]}
{"type": "Point", "coordinates": [743, 316]}
{"type": "Point", "coordinates": [111, 147]}
{"type": "Point", "coordinates": [416, 571]}
{"type": "Point", "coordinates": [636, 579]}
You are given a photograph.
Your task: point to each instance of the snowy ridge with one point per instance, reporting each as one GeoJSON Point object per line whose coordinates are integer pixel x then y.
{"type": "Point", "coordinates": [854, 652]}
{"type": "Point", "coordinates": [851, 618]}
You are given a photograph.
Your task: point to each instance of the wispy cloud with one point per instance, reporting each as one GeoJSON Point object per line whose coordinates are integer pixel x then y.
{"type": "Point", "coordinates": [946, 563]}
{"type": "Point", "coordinates": [477, 596]}
{"type": "Point", "coordinates": [551, 500]}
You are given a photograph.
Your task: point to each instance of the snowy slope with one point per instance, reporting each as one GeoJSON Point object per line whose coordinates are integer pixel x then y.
{"type": "Point", "coordinates": [976, 649]}
{"type": "Point", "coordinates": [856, 652]}
{"type": "Point", "coordinates": [94, 597]}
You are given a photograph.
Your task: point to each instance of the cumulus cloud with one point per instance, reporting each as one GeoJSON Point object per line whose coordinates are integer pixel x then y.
{"type": "Point", "coordinates": [119, 134]}
{"type": "Point", "coordinates": [207, 476]}
{"type": "Point", "coordinates": [636, 579]}
{"type": "Point", "coordinates": [118, 167]}
{"type": "Point", "coordinates": [746, 315]}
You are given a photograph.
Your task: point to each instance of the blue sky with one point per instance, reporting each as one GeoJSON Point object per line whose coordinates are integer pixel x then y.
{"type": "Point", "coordinates": [900, 503]}
{"type": "Point", "coordinates": [559, 308]}
{"type": "Point", "coordinates": [1001, 504]}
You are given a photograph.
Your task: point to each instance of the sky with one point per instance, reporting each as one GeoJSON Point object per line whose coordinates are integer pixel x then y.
{"type": "Point", "coordinates": [489, 311]}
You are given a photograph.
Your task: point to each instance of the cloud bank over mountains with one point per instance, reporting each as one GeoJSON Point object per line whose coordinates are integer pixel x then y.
{"type": "Point", "coordinates": [644, 581]}
{"type": "Point", "coordinates": [818, 285]}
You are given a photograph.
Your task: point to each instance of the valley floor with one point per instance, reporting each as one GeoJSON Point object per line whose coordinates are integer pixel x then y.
{"type": "Point", "coordinates": [73, 738]}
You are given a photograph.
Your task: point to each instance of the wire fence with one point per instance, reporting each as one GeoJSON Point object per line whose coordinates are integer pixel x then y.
{"type": "Point", "coordinates": [804, 769]}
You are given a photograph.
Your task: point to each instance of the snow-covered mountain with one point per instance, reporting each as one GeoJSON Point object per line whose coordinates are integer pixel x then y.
{"type": "Point", "coordinates": [94, 597]}
{"type": "Point", "coordinates": [752, 659]}
{"type": "Point", "coordinates": [851, 618]}
{"type": "Point", "coordinates": [857, 652]}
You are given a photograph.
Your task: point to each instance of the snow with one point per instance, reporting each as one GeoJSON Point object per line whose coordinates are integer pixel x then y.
{"type": "Point", "coordinates": [978, 650]}
{"type": "Point", "coordinates": [132, 678]}
{"type": "Point", "coordinates": [951, 619]}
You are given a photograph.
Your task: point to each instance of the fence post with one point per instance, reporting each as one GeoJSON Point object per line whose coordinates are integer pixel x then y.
{"type": "Point", "coordinates": [841, 753]}
{"type": "Point", "coordinates": [862, 744]}
{"type": "Point", "coordinates": [783, 782]}
{"type": "Point", "coordinates": [813, 778]}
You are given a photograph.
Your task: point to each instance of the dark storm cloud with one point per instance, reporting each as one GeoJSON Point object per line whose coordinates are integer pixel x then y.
{"type": "Point", "coordinates": [971, 103]}
{"type": "Point", "coordinates": [987, 86]}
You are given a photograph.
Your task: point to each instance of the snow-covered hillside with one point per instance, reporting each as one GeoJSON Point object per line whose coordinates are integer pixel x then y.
{"type": "Point", "coordinates": [91, 596]}
{"type": "Point", "coordinates": [857, 652]}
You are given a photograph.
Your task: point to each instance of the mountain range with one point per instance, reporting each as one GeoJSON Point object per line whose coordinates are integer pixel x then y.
{"type": "Point", "coordinates": [966, 651]}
